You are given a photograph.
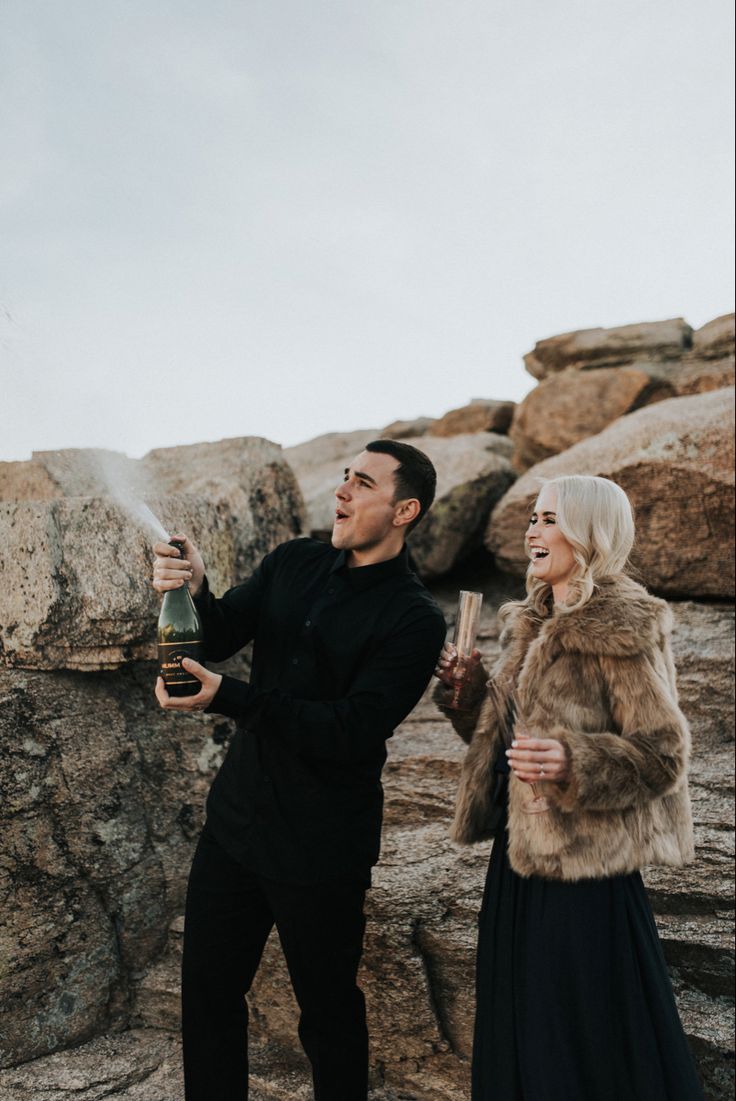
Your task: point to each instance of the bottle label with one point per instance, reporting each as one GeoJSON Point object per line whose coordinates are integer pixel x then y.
{"type": "Point", "coordinates": [170, 655]}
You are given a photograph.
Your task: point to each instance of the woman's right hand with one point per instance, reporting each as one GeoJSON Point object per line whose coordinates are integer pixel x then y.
{"type": "Point", "coordinates": [172, 570]}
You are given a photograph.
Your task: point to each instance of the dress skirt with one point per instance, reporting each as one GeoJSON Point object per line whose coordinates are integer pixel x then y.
{"type": "Point", "coordinates": [574, 1001]}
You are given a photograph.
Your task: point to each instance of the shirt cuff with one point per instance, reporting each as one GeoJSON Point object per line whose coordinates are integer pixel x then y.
{"type": "Point", "coordinates": [203, 595]}
{"type": "Point", "coordinates": [232, 698]}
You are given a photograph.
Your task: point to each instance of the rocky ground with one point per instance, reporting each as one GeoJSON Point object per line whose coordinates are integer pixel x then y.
{"type": "Point", "coordinates": [418, 972]}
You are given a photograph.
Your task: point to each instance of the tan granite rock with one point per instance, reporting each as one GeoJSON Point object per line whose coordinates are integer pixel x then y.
{"type": "Point", "coordinates": [407, 430]}
{"type": "Point", "coordinates": [247, 475]}
{"type": "Point", "coordinates": [716, 338]}
{"type": "Point", "coordinates": [25, 481]}
{"type": "Point", "coordinates": [101, 797]}
{"type": "Point", "coordinates": [573, 401]}
{"type": "Point", "coordinates": [481, 415]}
{"type": "Point", "coordinates": [609, 347]}
{"type": "Point", "coordinates": [675, 460]}
{"type": "Point", "coordinates": [76, 590]}
{"type": "Point", "coordinates": [473, 472]}
{"type": "Point", "coordinates": [570, 406]}
{"type": "Point", "coordinates": [77, 570]}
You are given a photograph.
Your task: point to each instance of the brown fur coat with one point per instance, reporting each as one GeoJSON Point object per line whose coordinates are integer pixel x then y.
{"type": "Point", "coordinates": [602, 681]}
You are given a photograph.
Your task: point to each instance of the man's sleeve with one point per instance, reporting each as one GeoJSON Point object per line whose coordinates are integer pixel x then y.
{"type": "Point", "coordinates": [353, 728]}
{"type": "Point", "coordinates": [231, 621]}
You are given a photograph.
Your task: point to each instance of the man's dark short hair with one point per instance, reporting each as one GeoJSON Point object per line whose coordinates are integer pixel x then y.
{"type": "Point", "coordinates": [415, 476]}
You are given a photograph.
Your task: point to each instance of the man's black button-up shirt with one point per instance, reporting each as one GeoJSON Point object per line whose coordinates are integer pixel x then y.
{"type": "Point", "coordinates": [341, 656]}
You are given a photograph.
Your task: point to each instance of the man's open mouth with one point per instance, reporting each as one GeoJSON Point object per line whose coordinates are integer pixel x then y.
{"type": "Point", "coordinates": [340, 515]}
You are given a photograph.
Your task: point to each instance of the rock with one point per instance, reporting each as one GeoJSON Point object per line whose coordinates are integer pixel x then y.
{"type": "Point", "coordinates": [25, 481]}
{"type": "Point", "coordinates": [101, 797]}
{"type": "Point", "coordinates": [716, 338]}
{"type": "Point", "coordinates": [247, 475]}
{"type": "Point", "coordinates": [318, 465]}
{"type": "Point", "coordinates": [703, 646]}
{"type": "Point", "coordinates": [472, 473]}
{"type": "Point", "coordinates": [136, 1066]}
{"type": "Point", "coordinates": [418, 972]}
{"type": "Point", "coordinates": [571, 403]}
{"type": "Point", "coordinates": [77, 592]}
{"type": "Point", "coordinates": [77, 569]}
{"type": "Point", "coordinates": [72, 472]}
{"type": "Point", "coordinates": [675, 461]}
{"type": "Point", "coordinates": [570, 406]}
{"type": "Point", "coordinates": [609, 347]}
{"type": "Point", "coordinates": [480, 415]}
{"type": "Point", "coordinates": [407, 430]}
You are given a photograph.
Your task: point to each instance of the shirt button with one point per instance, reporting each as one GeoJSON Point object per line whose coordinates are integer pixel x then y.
{"type": "Point", "coordinates": [330, 592]}
{"type": "Point", "coordinates": [308, 623]}
{"type": "Point", "coordinates": [295, 661]}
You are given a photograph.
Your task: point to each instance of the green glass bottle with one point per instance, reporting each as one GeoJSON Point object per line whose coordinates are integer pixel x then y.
{"type": "Point", "coordinates": [179, 636]}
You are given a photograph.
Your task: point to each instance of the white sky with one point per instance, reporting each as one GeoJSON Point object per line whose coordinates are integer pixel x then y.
{"type": "Point", "coordinates": [287, 217]}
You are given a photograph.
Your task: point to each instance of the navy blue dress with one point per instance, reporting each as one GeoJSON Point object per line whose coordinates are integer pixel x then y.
{"type": "Point", "coordinates": [574, 1001]}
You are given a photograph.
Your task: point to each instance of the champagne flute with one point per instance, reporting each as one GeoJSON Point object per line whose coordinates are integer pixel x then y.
{"type": "Point", "coordinates": [467, 621]}
{"type": "Point", "coordinates": [538, 804]}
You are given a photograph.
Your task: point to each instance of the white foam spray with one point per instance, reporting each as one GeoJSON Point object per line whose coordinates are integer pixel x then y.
{"type": "Point", "coordinates": [97, 473]}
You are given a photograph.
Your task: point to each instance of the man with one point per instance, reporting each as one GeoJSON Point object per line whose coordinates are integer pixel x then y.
{"type": "Point", "coordinates": [345, 641]}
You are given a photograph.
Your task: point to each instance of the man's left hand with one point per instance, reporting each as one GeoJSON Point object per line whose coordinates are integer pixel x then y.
{"type": "Point", "coordinates": [210, 686]}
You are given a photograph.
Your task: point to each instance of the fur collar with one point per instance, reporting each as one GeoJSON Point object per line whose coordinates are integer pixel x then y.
{"type": "Point", "coordinates": [620, 619]}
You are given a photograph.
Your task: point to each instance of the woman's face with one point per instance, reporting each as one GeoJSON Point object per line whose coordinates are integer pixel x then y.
{"type": "Point", "coordinates": [551, 555]}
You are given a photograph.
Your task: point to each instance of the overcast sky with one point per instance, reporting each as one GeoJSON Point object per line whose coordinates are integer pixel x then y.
{"type": "Point", "coordinates": [283, 218]}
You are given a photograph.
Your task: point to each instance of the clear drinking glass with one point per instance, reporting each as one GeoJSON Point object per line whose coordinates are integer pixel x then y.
{"type": "Point", "coordinates": [537, 804]}
{"type": "Point", "coordinates": [466, 630]}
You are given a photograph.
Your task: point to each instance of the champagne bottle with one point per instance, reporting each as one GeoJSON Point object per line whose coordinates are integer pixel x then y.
{"type": "Point", "coordinates": [179, 636]}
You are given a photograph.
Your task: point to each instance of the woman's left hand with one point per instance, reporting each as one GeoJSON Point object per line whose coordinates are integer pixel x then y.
{"type": "Point", "coordinates": [533, 759]}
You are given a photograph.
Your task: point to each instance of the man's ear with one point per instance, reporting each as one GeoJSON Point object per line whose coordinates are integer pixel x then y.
{"type": "Point", "coordinates": [406, 511]}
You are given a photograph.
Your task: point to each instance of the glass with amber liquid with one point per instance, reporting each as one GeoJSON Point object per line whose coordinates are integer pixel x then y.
{"type": "Point", "coordinates": [467, 622]}
{"type": "Point", "coordinates": [179, 636]}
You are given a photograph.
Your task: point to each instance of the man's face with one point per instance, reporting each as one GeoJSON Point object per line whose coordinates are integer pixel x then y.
{"type": "Point", "coordinates": [365, 509]}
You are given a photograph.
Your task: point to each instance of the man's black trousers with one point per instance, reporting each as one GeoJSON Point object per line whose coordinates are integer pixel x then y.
{"type": "Point", "coordinates": [229, 915]}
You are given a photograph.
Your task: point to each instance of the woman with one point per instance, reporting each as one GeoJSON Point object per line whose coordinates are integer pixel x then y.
{"type": "Point", "coordinates": [577, 762]}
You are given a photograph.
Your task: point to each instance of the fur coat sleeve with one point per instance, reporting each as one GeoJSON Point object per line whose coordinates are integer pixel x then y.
{"type": "Point", "coordinates": [646, 754]}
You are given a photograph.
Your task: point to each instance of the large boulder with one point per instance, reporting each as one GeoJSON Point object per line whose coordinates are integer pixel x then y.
{"type": "Point", "coordinates": [249, 476]}
{"type": "Point", "coordinates": [587, 348]}
{"type": "Point", "coordinates": [675, 460]}
{"type": "Point", "coordinates": [101, 796]}
{"type": "Point", "coordinates": [76, 569]}
{"type": "Point", "coordinates": [407, 430]}
{"type": "Point", "coordinates": [473, 472]}
{"type": "Point", "coordinates": [567, 407]}
{"type": "Point", "coordinates": [76, 590]}
{"type": "Point", "coordinates": [73, 472]}
{"type": "Point", "coordinates": [715, 339]}
{"type": "Point", "coordinates": [481, 415]}
{"type": "Point", "coordinates": [575, 401]}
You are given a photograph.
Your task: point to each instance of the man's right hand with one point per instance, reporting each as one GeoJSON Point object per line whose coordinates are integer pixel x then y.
{"type": "Point", "coordinates": [171, 571]}
{"type": "Point", "coordinates": [448, 670]}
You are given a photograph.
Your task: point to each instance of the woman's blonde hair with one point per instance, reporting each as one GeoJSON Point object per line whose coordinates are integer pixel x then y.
{"type": "Point", "coordinates": [596, 517]}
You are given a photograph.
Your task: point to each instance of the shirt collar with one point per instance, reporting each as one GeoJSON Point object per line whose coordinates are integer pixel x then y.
{"type": "Point", "coordinates": [362, 577]}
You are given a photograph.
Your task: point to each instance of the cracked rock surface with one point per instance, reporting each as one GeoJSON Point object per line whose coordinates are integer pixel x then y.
{"type": "Point", "coordinates": [103, 797]}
